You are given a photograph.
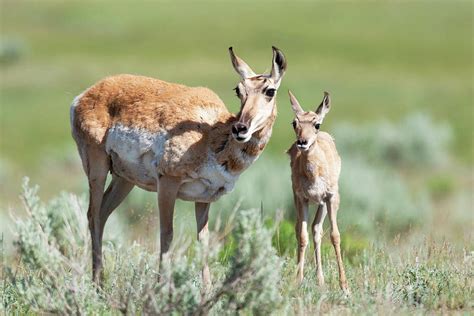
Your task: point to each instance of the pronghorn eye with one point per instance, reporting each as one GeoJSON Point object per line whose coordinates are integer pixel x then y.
{"type": "Point", "coordinates": [294, 124]}
{"type": "Point", "coordinates": [317, 125]}
{"type": "Point", "coordinates": [270, 92]}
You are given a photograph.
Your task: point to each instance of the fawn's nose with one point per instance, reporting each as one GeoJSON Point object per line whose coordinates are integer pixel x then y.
{"type": "Point", "coordinates": [239, 128]}
{"type": "Point", "coordinates": [301, 142]}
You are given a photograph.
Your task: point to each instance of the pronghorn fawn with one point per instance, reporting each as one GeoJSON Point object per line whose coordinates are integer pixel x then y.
{"type": "Point", "coordinates": [315, 169]}
{"type": "Point", "coordinates": [178, 141]}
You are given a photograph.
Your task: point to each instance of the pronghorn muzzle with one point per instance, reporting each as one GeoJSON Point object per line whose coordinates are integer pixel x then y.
{"type": "Point", "coordinates": [302, 144]}
{"type": "Point", "coordinates": [240, 131]}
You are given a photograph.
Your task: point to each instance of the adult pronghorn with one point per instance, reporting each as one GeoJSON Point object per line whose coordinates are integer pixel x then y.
{"type": "Point", "coordinates": [178, 141]}
{"type": "Point", "coordinates": [315, 170]}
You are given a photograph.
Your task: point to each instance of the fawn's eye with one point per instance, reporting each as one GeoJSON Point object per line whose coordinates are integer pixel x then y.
{"type": "Point", "coordinates": [294, 124]}
{"type": "Point", "coordinates": [237, 92]}
{"type": "Point", "coordinates": [270, 92]}
{"type": "Point", "coordinates": [317, 125]}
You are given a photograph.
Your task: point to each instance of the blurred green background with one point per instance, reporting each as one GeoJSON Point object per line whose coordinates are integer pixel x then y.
{"type": "Point", "coordinates": [400, 75]}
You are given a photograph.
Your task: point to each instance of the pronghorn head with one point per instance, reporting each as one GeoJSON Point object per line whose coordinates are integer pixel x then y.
{"type": "Point", "coordinates": [307, 124]}
{"type": "Point", "coordinates": [257, 94]}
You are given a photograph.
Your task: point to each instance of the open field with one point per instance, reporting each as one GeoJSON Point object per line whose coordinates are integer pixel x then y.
{"type": "Point", "coordinates": [400, 75]}
{"type": "Point", "coordinates": [378, 61]}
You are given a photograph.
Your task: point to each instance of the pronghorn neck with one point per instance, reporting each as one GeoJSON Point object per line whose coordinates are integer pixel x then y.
{"type": "Point", "coordinates": [311, 152]}
{"type": "Point", "coordinates": [235, 156]}
{"type": "Point", "coordinates": [311, 162]}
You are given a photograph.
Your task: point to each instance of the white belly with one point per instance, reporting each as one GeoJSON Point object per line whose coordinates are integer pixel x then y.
{"type": "Point", "coordinates": [136, 154]}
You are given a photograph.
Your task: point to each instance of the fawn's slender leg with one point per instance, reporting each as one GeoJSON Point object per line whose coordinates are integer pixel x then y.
{"type": "Point", "coordinates": [202, 218]}
{"type": "Point", "coordinates": [317, 238]}
{"type": "Point", "coordinates": [116, 192]}
{"type": "Point", "coordinates": [167, 192]}
{"type": "Point", "coordinates": [333, 205]}
{"type": "Point", "coordinates": [301, 233]}
{"type": "Point", "coordinates": [96, 165]}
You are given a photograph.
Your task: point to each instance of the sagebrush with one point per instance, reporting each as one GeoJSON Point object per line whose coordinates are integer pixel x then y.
{"type": "Point", "coordinates": [51, 273]}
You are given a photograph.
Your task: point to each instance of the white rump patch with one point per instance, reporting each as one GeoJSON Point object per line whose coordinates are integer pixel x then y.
{"type": "Point", "coordinates": [72, 109]}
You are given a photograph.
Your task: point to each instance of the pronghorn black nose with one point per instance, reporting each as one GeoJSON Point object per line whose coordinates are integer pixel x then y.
{"type": "Point", "coordinates": [301, 142]}
{"type": "Point", "coordinates": [238, 128]}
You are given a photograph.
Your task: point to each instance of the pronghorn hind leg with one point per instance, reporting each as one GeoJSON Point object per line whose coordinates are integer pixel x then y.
{"type": "Point", "coordinates": [202, 218]}
{"type": "Point", "coordinates": [332, 204]}
{"type": "Point", "coordinates": [301, 233]}
{"type": "Point", "coordinates": [96, 164]}
{"type": "Point", "coordinates": [116, 192]}
{"type": "Point", "coordinates": [317, 229]}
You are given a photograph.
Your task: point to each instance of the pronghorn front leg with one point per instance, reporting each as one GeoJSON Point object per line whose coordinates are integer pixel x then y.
{"type": "Point", "coordinates": [202, 218]}
{"type": "Point", "coordinates": [301, 233]}
{"type": "Point", "coordinates": [167, 192]}
{"type": "Point", "coordinates": [332, 204]}
{"type": "Point", "coordinates": [317, 239]}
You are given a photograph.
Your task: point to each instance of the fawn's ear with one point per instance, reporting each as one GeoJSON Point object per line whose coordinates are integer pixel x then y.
{"type": "Point", "coordinates": [295, 105]}
{"type": "Point", "coordinates": [325, 106]}
{"type": "Point", "coordinates": [240, 66]}
{"type": "Point", "coordinates": [278, 66]}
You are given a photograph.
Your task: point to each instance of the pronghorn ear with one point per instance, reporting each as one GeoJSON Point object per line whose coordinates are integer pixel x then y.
{"type": "Point", "coordinates": [278, 66]}
{"type": "Point", "coordinates": [295, 105]}
{"type": "Point", "coordinates": [240, 66]}
{"type": "Point", "coordinates": [325, 105]}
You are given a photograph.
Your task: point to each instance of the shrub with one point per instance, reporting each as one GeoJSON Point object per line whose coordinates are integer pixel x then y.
{"type": "Point", "coordinates": [11, 50]}
{"type": "Point", "coordinates": [251, 280]}
{"type": "Point", "coordinates": [53, 271]}
{"type": "Point", "coordinates": [377, 200]}
{"type": "Point", "coordinates": [416, 141]}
